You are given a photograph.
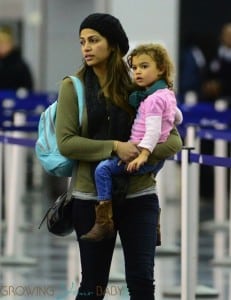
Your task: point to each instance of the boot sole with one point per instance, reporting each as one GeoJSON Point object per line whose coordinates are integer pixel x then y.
{"type": "Point", "coordinates": [106, 237]}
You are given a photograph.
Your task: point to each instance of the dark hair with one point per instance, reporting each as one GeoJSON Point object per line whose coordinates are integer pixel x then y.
{"type": "Point", "coordinates": [118, 83]}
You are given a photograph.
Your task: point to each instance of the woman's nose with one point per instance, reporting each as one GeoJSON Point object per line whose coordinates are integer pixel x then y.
{"type": "Point", "coordinates": [86, 46]}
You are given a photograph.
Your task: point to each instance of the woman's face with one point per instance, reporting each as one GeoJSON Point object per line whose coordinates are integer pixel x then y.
{"type": "Point", "coordinates": [95, 48]}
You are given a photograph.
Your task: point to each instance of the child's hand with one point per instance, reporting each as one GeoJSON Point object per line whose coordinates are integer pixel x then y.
{"type": "Point", "coordinates": [135, 164]}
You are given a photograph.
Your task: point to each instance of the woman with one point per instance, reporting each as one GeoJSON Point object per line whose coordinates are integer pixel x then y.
{"type": "Point", "coordinates": [105, 129]}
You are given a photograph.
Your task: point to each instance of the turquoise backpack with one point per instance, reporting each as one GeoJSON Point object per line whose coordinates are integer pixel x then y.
{"type": "Point", "coordinates": [46, 147]}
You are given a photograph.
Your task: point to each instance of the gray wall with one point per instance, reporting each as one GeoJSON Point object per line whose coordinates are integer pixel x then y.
{"type": "Point", "coordinates": [62, 43]}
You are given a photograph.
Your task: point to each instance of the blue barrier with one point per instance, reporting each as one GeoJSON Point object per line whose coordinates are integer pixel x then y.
{"type": "Point", "coordinates": [17, 141]}
{"type": "Point", "coordinates": [31, 104]}
{"type": "Point", "coordinates": [30, 127]}
{"type": "Point", "coordinates": [205, 114]}
{"type": "Point", "coordinates": [212, 134]}
{"type": "Point", "coordinates": [204, 159]}
{"type": "Point", "coordinates": [7, 94]}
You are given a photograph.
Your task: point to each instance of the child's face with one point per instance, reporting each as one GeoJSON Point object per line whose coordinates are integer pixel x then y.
{"type": "Point", "coordinates": [145, 71]}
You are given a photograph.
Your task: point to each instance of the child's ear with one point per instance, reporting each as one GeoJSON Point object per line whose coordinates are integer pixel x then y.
{"type": "Point", "coordinates": [160, 74]}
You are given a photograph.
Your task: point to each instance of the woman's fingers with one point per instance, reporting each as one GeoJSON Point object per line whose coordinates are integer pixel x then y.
{"type": "Point", "coordinates": [127, 151]}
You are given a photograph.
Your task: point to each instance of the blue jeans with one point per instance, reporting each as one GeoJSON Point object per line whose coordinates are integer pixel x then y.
{"type": "Point", "coordinates": [109, 167]}
{"type": "Point", "coordinates": [136, 222]}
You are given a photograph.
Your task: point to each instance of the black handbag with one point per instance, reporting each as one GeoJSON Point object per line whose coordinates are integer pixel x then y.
{"type": "Point", "coordinates": [59, 216]}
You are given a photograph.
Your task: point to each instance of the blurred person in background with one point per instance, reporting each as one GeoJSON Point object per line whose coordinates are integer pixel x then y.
{"type": "Point", "coordinates": [193, 65]}
{"type": "Point", "coordinates": [15, 74]}
{"type": "Point", "coordinates": [14, 71]}
{"type": "Point", "coordinates": [218, 84]}
{"type": "Point", "coordinates": [198, 50]}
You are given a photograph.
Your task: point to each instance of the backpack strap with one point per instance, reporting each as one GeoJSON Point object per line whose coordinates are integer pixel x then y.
{"type": "Point", "coordinates": [81, 100]}
{"type": "Point", "coordinates": [80, 93]}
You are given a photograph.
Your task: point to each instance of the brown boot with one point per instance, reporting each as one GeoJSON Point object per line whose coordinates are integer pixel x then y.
{"type": "Point", "coordinates": [158, 232]}
{"type": "Point", "coordinates": [104, 226]}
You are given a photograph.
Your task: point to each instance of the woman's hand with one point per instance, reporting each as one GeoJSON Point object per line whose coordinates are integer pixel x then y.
{"type": "Point", "coordinates": [126, 151]}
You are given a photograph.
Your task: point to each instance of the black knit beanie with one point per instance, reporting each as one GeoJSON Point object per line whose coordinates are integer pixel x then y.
{"type": "Point", "coordinates": [109, 27]}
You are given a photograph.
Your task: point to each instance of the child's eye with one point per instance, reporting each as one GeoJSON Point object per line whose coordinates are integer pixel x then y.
{"type": "Point", "coordinates": [144, 66]}
{"type": "Point", "coordinates": [133, 68]}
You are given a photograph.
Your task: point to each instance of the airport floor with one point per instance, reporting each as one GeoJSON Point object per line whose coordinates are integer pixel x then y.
{"type": "Point", "coordinates": [47, 267]}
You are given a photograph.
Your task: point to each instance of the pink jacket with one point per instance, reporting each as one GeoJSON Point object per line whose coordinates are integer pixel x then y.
{"type": "Point", "coordinates": [155, 118]}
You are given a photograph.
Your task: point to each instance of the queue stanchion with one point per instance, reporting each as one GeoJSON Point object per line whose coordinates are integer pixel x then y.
{"type": "Point", "coordinates": [222, 162]}
{"type": "Point", "coordinates": [192, 142]}
{"type": "Point", "coordinates": [188, 262]}
{"type": "Point", "coordinates": [221, 137]}
{"type": "Point", "coordinates": [220, 191]}
{"type": "Point", "coordinates": [189, 288]}
{"type": "Point", "coordinates": [220, 220]}
{"type": "Point", "coordinates": [193, 196]}
{"type": "Point", "coordinates": [225, 261]}
{"type": "Point", "coordinates": [168, 248]}
{"type": "Point", "coordinates": [1, 195]}
{"type": "Point", "coordinates": [229, 258]}
{"type": "Point", "coordinates": [220, 203]}
{"type": "Point", "coordinates": [15, 187]}
{"type": "Point", "coordinates": [220, 176]}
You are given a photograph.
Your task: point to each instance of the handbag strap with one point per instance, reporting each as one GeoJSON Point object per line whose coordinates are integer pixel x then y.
{"type": "Point", "coordinates": [71, 184]}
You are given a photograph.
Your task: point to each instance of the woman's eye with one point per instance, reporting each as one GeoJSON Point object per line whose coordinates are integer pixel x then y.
{"type": "Point", "coordinates": [93, 40]}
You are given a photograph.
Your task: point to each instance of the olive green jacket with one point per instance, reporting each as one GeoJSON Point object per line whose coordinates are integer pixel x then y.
{"type": "Point", "coordinates": [76, 145]}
